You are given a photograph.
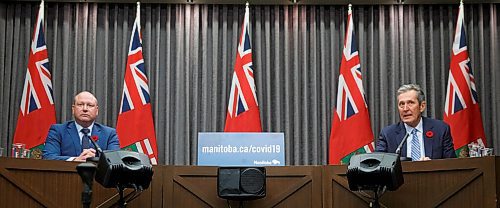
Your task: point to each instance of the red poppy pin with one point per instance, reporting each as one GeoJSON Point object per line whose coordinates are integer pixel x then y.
{"type": "Point", "coordinates": [95, 138]}
{"type": "Point", "coordinates": [429, 134]}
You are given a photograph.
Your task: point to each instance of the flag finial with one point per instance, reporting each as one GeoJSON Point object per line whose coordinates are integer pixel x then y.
{"type": "Point", "coordinates": [246, 4]}
{"type": "Point", "coordinates": [138, 3]}
{"type": "Point", "coordinates": [461, 2]}
{"type": "Point", "coordinates": [350, 7]}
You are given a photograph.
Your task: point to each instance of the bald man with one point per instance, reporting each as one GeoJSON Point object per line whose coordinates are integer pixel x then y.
{"type": "Point", "coordinates": [70, 140]}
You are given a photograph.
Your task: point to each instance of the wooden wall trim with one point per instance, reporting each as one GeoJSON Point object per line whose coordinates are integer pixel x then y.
{"type": "Point", "coordinates": [25, 188]}
{"type": "Point", "coordinates": [454, 189]}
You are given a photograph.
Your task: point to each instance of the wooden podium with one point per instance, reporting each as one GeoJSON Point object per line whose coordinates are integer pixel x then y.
{"type": "Point", "coordinates": [46, 183]}
{"type": "Point", "coordinates": [468, 182]}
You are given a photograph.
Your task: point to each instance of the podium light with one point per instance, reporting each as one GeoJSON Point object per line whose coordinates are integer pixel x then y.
{"type": "Point", "coordinates": [125, 169]}
{"type": "Point", "coordinates": [373, 170]}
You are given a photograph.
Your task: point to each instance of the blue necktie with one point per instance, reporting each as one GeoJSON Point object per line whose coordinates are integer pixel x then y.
{"type": "Point", "coordinates": [85, 138]}
{"type": "Point", "coordinates": [415, 146]}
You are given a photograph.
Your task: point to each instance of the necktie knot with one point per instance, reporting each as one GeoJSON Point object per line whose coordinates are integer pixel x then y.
{"type": "Point", "coordinates": [85, 131]}
{"type": "Point", "coordinates": [414, 132]}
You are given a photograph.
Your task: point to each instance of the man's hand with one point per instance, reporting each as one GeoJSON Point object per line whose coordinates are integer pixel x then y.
{"type": "Point", "coordinates": [425, 159]}
{"type": "Point", "coordinates": [86, 153]}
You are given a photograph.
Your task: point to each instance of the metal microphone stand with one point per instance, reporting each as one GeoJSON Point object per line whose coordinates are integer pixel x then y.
{"type": "Point", "coordinates": [86, 172]}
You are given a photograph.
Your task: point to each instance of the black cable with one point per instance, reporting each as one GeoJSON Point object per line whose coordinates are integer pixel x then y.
{"type": "Point", "coordinates": [129, 196]}
{"type": "Point", "coordinates": [382, 190]}
{"type": "Point", "coordinates": [366, 195]}
{"type": "Point", "coordinates": [378, 192]}
{"type": "Point", "coordinates": [137, 193]}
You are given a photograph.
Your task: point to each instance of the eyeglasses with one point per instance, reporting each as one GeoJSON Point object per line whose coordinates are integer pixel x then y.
{"type": "Point", "coordinates": [82, 105]}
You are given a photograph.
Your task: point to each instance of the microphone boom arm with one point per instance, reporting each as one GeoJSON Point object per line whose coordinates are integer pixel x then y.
{"type": "Point", "coordinates": [398, 150]}
{"type": "Point", "coordinates": [98, 148]}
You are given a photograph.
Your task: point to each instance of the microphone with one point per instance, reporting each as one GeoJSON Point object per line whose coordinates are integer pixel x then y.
{"type": "Point", "coordinates": [398, 150]}
{"type": "Point", "coordinates": [98, 151]}
{"type": "Point", "coordinates": [98, 148]}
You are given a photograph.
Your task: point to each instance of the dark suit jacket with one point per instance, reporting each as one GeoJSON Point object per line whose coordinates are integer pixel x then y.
{"type": "Point", "coordinates": [63, 140]}
{"type": "Point", "coordinates": [440, 145]}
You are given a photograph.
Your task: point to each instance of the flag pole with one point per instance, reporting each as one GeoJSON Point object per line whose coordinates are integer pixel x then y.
{"type": "Point", "coordinates": [138, 6]}
{"type": "Point", "coordinates": [247, 14]}
{"type": "Point", "coordinates": [138, 17]}
{"type": "Point", "coordinates": [42, 5]}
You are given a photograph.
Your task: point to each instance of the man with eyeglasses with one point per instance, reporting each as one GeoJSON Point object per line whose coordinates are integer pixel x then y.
{"type": "Point", "coordinates": [426, 138]}
{"type": "Point", "coordinates": [70, 141]}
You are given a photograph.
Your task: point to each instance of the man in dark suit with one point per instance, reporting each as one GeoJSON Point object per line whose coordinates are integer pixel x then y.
{"type": "Point", "coordinates": [427, 138]}
{"type": "Point", "coordinates": [70, 140]}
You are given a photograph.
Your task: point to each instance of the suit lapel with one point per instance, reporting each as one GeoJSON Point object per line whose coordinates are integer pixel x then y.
{"type": "Point", "coordinates": [75, 137]}
{"type": "Point", "coordinates": [400, 135]}
{"type": "Point", "coordinates": [96, 131]}
{"type": "Point", "coordinates": [428, 142]}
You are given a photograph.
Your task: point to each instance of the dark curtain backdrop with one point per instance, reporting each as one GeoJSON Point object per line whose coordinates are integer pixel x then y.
{"type": "Point", "coordinates": [189, 54]}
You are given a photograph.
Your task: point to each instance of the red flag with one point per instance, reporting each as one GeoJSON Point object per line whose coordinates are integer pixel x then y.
{"type": "Point", "coordinates": [351, 129]}
{"type": "Point", "coordinates": [243, 110]}
{"type": "Point", "coordinates": [462, 111]}
{"type": "Point", "coordinates": [37, 112]}
{"type": "Point", "coordinates": [135, 126]}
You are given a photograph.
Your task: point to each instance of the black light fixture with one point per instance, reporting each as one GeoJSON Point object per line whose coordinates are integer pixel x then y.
{"type": "Point", "coordinates": [241, 183]}
{"type": "Point", "coordinates": [375, 172]}
{"type": "Point", "coordinates": [124, 169]}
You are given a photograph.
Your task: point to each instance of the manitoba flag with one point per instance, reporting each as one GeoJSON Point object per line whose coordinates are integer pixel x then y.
{"type": "Point", "coordinates": [351, 129]}
{"type": "Point", "coordinates": [243, 109]}
{"type": "Point", "coordinates": [135, 126]}
{"type": "Point", "coordinates": [462, 111]}
{"type": "Point", "coordinates": [37, 112]}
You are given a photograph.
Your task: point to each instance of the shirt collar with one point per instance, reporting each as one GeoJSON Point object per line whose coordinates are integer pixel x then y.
{"type": "Point", "coordinates": [79, 128]}
{"type": "Point", "coordinates": [419, 127]}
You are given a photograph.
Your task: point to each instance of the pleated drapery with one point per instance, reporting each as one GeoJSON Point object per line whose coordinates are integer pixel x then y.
{"type": "Point", "coordinates": [189, 53]}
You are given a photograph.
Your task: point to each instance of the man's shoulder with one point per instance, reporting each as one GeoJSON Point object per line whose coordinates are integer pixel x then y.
{"type": "Point", "coordinates": [63, 125]}
{"type": "Point", "coordinates": [104, 127]}
{"type": "Point", "coordinates": [392, 127]}
{"type": "Point", "coordinates": [434, 122]}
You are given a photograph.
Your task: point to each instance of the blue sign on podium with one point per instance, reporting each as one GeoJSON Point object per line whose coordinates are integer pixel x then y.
{"type": "Point", "coordinates": [241, 149]}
